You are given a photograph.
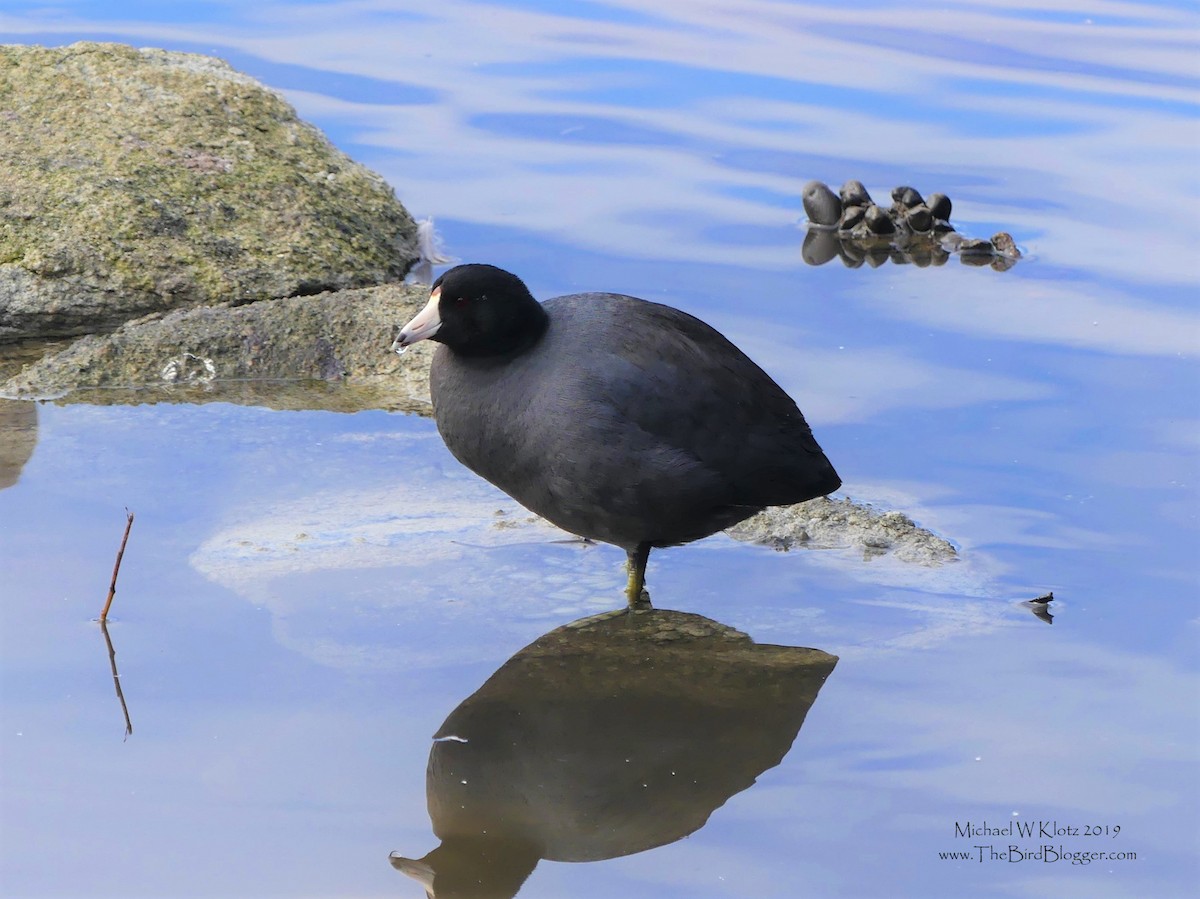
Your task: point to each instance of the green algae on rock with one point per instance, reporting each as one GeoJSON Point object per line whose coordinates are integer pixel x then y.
{"type": "Point", "coordinates": [134, 181]}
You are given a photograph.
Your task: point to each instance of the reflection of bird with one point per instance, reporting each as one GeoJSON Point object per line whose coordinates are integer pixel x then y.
{"type": "Point", "coordinates": [613, 417]}
{"type": "Point", "coordinates": [608, 736]}
{"type": "Point", "coordinates": [1040, 606]}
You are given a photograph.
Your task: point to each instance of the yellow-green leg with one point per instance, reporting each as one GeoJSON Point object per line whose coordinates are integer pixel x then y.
{"type": "Point", "coordinates": [635, 589]}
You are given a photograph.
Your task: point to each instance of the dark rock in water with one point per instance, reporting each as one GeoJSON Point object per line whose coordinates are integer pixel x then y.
{"type": "Point", "coordinates": [819, 247]}
{"type": "Point", "coordinates": [976, 252]}
{"type": "Point", "coordinates": [906, 197]}
{"type": "Point", "coordinates": [919, 218]}
{"type": "Point", "coordinates": [851, 216]}
{"type": "Point", "coordinates": [1005, 245]}
{"type": "Point", "coordinates": [878, 221]}
{"type": "Point", "coordinates": [854, 194]}
{"type": "Point", "coordinates": [976, 247]}
{"type": "Point", "coordinates": [909, 231]}
{"type": "Point", "coordinates": [939, 205]}
{"type": "Point", "coordinates": [821, 204]}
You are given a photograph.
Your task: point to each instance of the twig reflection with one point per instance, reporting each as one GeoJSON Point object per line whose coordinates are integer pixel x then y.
{"type": "Point", "coordinates": [112, 661]}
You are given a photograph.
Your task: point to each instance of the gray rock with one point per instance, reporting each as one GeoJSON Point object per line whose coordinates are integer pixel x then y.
{"type": "Point", "coordinates": [905, 197]}
{"type": "Point", "coordinates": [854, 194]}
{"type": "Point", "coordinates": [142, 180]}
{"type": "Point", "coordinates": [878, 221]}
{"type": "Point", "coordinates": [851, 216]}
{"type": "Point", "coordinates": [974, 246]}
{"type": "Point", "coordinates": [940, 206]}
{"type": "Point", "coordinates": [1004, 244]}
{"type": "Point", "coordinates": [830, 523]}
{"type": "Point", "coordinates": [243, 353]}
{"type": "Point", "coordinates": [919, 218]}
{"type": "Point", "coordinates": [821, 204]}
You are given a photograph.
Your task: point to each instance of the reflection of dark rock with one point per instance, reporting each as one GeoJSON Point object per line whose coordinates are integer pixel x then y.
{"type": "Point", "coordinates": [912, 230]}
{"type": "Point", "coordinates": [143, 180]}
{"type": "Point", "coordinates": [217, 353]}
{"type": "Point", "coordinates": [18, 437]}
{"type": "Point", "coordinates": [606, 737]}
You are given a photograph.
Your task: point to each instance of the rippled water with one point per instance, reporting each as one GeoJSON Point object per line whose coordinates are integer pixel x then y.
{"type": "Point", "coordinates": [306, 597]}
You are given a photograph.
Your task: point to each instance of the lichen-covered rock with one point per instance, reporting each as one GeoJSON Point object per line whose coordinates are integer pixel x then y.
{"type": "Point", "coordinates": [134, 181]}
{"type": "Point", "coordinates": [215, 352]}
{"type": "Point", "coordinates": [829, 523]}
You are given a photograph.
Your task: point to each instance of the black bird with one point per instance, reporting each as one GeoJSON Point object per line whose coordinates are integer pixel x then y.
{"type": "Point", "coordinates": [615, 418]}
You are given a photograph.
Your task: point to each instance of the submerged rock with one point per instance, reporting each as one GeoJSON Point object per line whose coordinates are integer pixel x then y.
{"type": "Point", "coordinates": [134, 181]}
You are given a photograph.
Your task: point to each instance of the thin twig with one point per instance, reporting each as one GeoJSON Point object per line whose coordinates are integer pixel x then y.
{"type": "Point", "coordinates": [112, 587]}
{"type": "Point", "coordinates": [112, 661]}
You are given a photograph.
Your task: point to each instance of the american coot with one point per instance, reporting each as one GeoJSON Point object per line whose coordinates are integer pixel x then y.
{"type": "Point", "coordinates": [616, 418]}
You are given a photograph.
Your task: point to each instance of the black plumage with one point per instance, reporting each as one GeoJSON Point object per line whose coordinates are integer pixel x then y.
{"type": "Point", "coordinates": [615, 418]}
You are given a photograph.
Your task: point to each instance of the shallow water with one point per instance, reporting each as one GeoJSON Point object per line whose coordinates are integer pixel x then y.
{"type": "Point", "coordinates": [307, 596]}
